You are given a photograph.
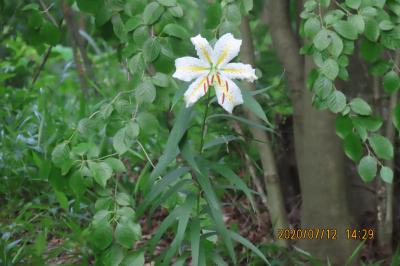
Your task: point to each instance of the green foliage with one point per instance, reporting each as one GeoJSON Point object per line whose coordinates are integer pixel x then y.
{"type": "Point", "coordinates": [328, 45]}
{"type": "Point", "coordinates": [367, 168]}
{"type": "Point", "coordinates": [346, 29]}
{"type": "Point", "coordinates": [90, 159]}
{"type": "Point", "coordinates": [361, 107]}
{"type": "Point", "coordinates": [353, 147]}
{"type": "Point", "coordinates": [381, 146]}
{"type": "Point", "coordinates": [386, 174]}
{"type": "Point", "coordinates": [391, 81]}
{"type": "Point", "coordinates": [116, 159]}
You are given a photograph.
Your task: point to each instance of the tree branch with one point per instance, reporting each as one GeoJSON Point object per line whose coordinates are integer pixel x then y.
{"type": "Point", "coordinates": [48, 14]}
{"type": "Point", "coordinates": [48, 51]}
{"type": "Point", "coordinates": [73, 31]}
{"type": "Point", "coordinates": [42, 64]}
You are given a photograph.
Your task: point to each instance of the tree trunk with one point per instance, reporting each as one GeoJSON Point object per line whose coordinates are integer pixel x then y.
{"type": "Point", "coordinates": [323, 183]}
{"type": "Point", "coordinates": [320, 158]}
{"type": "Point", "coordinates": [276, 205]}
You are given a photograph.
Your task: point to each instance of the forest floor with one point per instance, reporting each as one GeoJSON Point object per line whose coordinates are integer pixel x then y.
{"type": "Point", "coordinates": [238, 214]}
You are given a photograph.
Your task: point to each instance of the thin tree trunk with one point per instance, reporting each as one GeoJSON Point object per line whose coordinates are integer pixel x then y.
{"type": "Point", "coordinates": [252, 171]}
{"type": "Point", "coordinates": [385, 207]}
{"type": "Point", "coordinates": [276, 205]}
{"type": "Point", "coordinates": [75, 43]}
{"type": "Point", "coordinates": [384, 190]}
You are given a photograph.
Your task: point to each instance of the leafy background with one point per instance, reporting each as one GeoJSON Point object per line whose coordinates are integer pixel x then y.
{"type": "Point", "coordinates": [102, 164]}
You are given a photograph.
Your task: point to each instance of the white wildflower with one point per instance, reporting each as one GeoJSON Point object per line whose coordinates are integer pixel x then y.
{"type": "Point", "coordinates": [213, 68]}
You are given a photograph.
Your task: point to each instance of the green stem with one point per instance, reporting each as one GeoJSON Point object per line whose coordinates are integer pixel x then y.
{"type": "Point", "coordinates": [203, 127]}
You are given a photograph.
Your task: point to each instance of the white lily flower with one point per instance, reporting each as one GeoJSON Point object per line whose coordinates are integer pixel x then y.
{"type": "Point", "coordinates": [213, 68]}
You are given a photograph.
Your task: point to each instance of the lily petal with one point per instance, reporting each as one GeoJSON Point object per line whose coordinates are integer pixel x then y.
{"type": "Point", "coordinates": [196, 90]}
{"type": "Point", "coordinates": [239, 71]}
{"type": "Point", "coordinates": [225, 49]}
{"type": "Point", "coordinates": [203, 48]}
{"type": "Point", "coordinates": [228, 93]}
{"type": "Point", "coordinates": [189, 68]}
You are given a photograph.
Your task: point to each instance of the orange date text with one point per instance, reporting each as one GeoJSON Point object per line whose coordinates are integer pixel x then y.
{"type": "Point", "coordinates": [307, 234]}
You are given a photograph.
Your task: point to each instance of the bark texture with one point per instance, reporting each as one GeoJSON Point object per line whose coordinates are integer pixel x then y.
{"type": "Point", "coordinates": [320, 157]}
{"type": "Point", "coordinates": [276, 14]}
{"type": "Point", "coordinates": [324, 183]}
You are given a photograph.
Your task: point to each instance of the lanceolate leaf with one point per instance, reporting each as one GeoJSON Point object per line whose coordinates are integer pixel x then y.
{"type": "Point", "coordinates": [253, 105]}
{"type": "Point", "coordinates": [171, 149]}
{"type": "Point", "coordinates": [235, 180]}
{"type": "Point", "coordinates": [220, 140]}
{"type": "Point", "coordinates": [240, 119]}
{"type": "Point", "coordinates": [202, 178]}
{"type": "Point", "coordinates": [216, 214]}
{"type": "Point", "coordinates": [182, 225]}
{"type": "Point", "coordinates": [167, 222]}
{"type": "Point", "coordinates": [176, 188]}
{"type": "Point", "coordinates": [249, 245]}
{"type": "Point", "coordinates": [218, 260]}
{"type": "Point", "coordinates": [195, 234]}
{"type": "Point", "coordinates": [161, 186]}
